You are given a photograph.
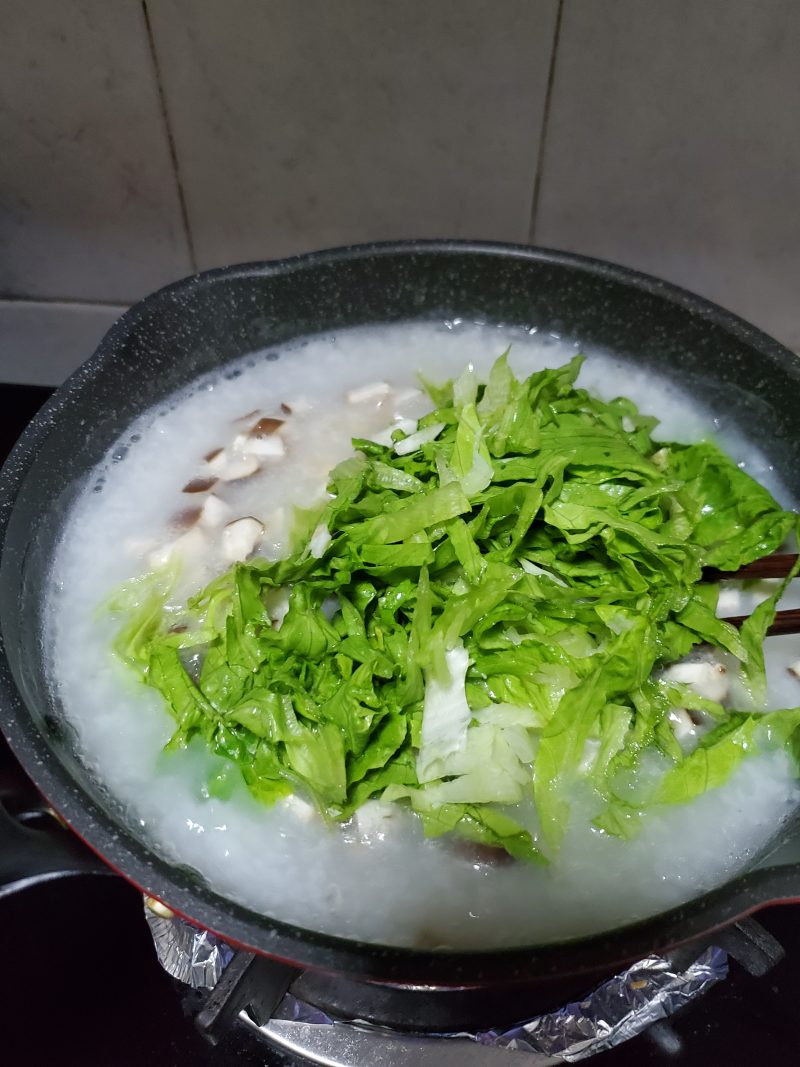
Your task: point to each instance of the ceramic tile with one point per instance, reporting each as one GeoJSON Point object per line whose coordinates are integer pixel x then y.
{"type": "Point", "coordinates": [88, 199]}
{"type": "Point", "coordinates": [673, 147]}
{"type": "Point", "coordinates": [43, 343]}
{"type": "Point", "coordinates": [308, 125]}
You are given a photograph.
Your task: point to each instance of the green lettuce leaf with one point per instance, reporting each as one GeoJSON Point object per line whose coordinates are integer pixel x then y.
{"type": "Point", "coordinates": [486, 628]}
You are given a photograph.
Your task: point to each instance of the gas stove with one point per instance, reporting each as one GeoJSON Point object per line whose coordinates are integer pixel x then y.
{"type": "Point", "coordinates": [85, 980]}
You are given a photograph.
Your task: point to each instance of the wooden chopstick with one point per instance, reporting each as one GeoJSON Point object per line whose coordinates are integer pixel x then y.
{"type": "Point", "coordinates": [777, 565]}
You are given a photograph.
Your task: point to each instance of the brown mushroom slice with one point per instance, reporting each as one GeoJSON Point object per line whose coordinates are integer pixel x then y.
{"type": "Point", "coordinates": [478, 853]}
{"type": "Point", "coordinates": [240, 537]}
{"type": "Point", "coordinates": [298, 406]}
{"type": "Point", "coordinates": [794, 668]}
{"type": "Point", "coordinates": [266, 427]}
{"type": "Point", "coordinates": [186, 518]}
{"type": "Point", "coordinates": [216, 460]}
{"type": "Point", "coordinates": [200, 485]}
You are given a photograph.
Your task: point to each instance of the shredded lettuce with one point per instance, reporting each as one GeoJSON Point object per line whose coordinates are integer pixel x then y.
{"type": "Point", "coordinates": [507, 582]}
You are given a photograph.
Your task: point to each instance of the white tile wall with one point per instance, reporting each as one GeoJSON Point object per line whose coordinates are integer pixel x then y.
{"type": "Point", "coordinates": [89, 207]}
{"type": "Point", "coordinates": [673, 145]}
{"type": "Point", "coordinates": [42, 343]}
{"type": "Point", "coordinates": [305, 125]}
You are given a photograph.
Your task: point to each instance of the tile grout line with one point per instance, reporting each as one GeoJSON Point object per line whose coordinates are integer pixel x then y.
{"type": "Point", "coordinates": [551, 73]}
{"type": "Point", "coordinates": [162, 100]}
{"type": "Point", "coordinates": [68, 301]}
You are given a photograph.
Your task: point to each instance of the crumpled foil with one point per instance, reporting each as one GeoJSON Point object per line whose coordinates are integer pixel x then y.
{"type": "Point", "coordinates": [619, 1009]}
{"type": "Point", "coordinates": [193, 956]}
{"type": "Point", "coordinates": [615, 1011]}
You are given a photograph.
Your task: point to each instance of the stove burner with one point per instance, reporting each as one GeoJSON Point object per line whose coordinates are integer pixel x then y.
{"type": "Point", "coordinates": [336, 1020]}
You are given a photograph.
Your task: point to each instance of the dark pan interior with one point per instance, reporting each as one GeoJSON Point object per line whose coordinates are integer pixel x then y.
{"type": "Point", "coordinates": [198, 324]}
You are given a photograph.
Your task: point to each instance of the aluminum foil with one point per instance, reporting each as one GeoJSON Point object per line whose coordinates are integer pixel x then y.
{"type": "Point", "coordinates": [193, 956]}
{"type": "Point", "coordinates": [615, 1011]}
{"type": "Point", "coordinates": [621, 1008]}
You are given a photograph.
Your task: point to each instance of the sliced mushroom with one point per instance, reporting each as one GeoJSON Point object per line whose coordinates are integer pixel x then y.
{"type": "Point", "coordinates": [794, 668]}
{"type": "Point", "coordinates": [240, 469]}
{"type": "Point", "coordinates": [375, 391]}
{"type": "Point", "coordinates": [478, 853]}
{"type": "Point", "coordinates": [298, 406]}
{"type": "Point", "coordinates": [708, 678]}
{"type": "Point", "coordinates": [200, 485]}
{"type": "Point", "coordinates": [216, 460]}
{"type": "Point", "coordinates": [185, 519]}
{"type": "Point", "coordinates": [230, 467]}
{"type": "Point", "coordinates": [191, 543]}
{"type": "Point", "coordinates": [214, 511]}
{"type": "Point", "coordinates": [240, 537]}
{"type": "Point", "coordinates": [272, 445]}
{"type": "Point", "coordinates": [266, 427]}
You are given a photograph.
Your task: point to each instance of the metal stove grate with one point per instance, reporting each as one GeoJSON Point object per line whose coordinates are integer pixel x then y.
{"type": "Point", "coordinates": [290, 1009]}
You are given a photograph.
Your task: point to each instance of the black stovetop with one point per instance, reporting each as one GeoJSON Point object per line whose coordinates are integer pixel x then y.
{"type": "Point", "coordinates": [80, 984]}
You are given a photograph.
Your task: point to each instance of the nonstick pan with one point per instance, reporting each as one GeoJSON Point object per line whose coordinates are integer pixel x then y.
{"type": "Point", "coordinates": [202, 322]}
